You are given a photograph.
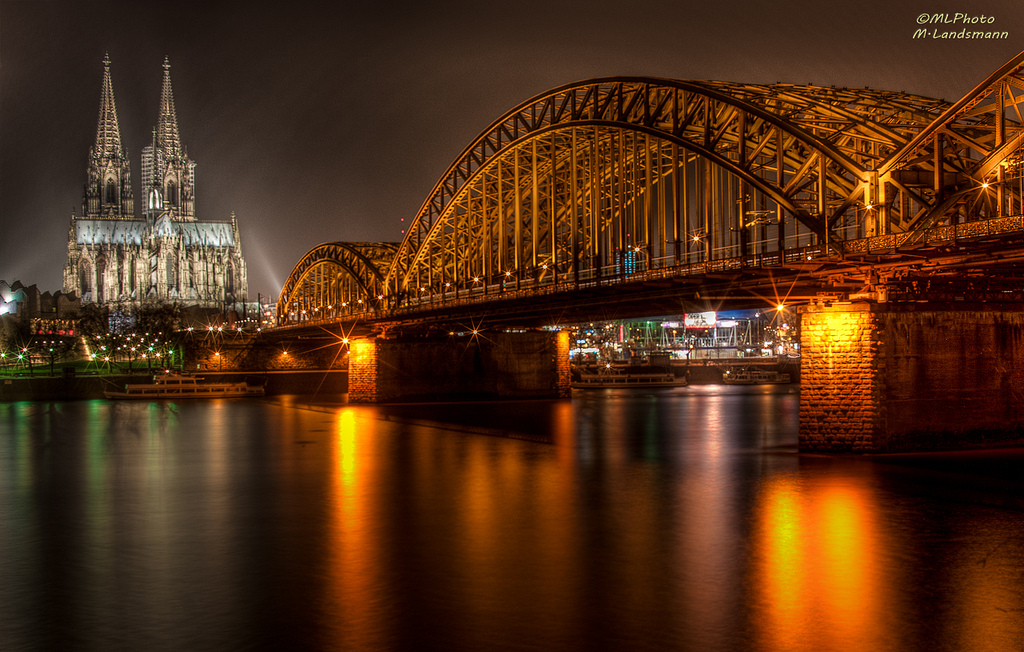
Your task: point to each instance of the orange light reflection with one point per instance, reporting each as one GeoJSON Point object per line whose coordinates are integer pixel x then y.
{"type": "Point", "coordinates": [353, 568]}
{"type": "Point", "coordinates": [821, 570]}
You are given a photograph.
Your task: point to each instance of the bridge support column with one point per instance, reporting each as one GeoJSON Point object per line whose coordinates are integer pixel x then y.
{"type": "Point", "coordinates": [488, 365]}
{"type": "Point", "coordinates": [879, 378]}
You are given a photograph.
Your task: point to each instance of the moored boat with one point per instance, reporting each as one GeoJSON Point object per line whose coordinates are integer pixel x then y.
{"type": "Point", "coordinates": [628, 380]}
{"type": "Point", "coordinates": [171, 385]}
{"type": "Point", "coordinates": [754, 377]}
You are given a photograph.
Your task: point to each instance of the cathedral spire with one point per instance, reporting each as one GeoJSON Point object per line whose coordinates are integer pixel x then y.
{"type": "Point", "coordinates": [167, 124]}
{"type": "Point", "coordinates": [108, 134]}
{"type": "Point", "coordinates": [168, 174]}
{"type": "Point", "coordinates": [108, 187]}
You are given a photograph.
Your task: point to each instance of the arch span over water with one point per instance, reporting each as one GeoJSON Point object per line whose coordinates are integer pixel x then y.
{"type": "Point", "coordinates": [608, 177]}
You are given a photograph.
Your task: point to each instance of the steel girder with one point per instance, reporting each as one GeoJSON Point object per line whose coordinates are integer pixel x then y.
{"type": "Point", "coordinates": [966, 164]}
{"type": "Point", "coordinates": [334, 279]}
{"type": "Point", "coordinates": [802, 155]}
{"type": "Point", "coordinates": [610, 176]}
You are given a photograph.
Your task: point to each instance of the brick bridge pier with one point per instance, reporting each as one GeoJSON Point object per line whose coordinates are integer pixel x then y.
{"type": "Point", "coordinates": [530, 364]}
{"type": "Point", "coordinates": [892, 377]}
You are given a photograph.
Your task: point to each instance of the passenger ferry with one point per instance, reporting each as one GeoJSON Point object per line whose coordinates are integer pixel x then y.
{"type": "Point", "coordinates": [628, 380]}
{"type": "Point", "coordinates": [178, 386]}
{"type": "Point", "coordinates": [754, 377]}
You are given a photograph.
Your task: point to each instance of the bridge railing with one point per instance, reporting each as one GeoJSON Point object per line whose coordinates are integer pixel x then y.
{"type": "Point", "coordinates": [938, 235]}
{"type": "Point", "coordinates": [664, 268]}
{"type": "Point", "coordinates": [502, 290]}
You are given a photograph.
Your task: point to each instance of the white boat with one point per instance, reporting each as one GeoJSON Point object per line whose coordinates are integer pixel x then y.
{"type": "Point", "coordinates": [628, 380]}
{"type": "Point", "coordinates": [179, 386]}
{"type": "Point", "coordinates": [754, 377]}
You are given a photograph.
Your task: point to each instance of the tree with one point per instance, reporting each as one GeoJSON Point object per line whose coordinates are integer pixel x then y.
{"type": "Point", "coordinates": [157, 318]}
{"type": "Point", "coordinates": [93, 321]}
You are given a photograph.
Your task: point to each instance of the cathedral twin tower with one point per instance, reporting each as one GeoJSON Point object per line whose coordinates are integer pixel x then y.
{"type": "Point", "coordinates": [119, 259]}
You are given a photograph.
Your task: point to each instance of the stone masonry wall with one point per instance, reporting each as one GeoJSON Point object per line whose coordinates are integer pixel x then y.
{"type": "Point", "coordinates": [563, 365]}
{"type": "Point", "coordinates": [840, 401]}
{"type": "Point", "coordinates": [490, 365]}
{"type": "Point", "coordinates": [362, 371]}
{"type": "Point", "coordinates": [954, 378]}
{"type": "Point", "coordinates": [258, 352]}
{"type": "Point", "coordinates": [905, 377]}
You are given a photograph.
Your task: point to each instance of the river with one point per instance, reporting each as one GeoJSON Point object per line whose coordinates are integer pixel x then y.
{"type": "Point", "coordinates": [675, 519]}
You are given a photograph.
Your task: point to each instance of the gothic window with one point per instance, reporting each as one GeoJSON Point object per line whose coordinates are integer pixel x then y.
{"type": "Point", "coordinates": [111, 192]}
{"type": "Point", "coordinates": [172, 194]}
{"type": "Point", "coordinates": [84, 278]}
{"type": "Point", "coordinates": [172, 271]}
{"type": "Point", "coordinates": [229, 281]}
{"type": "Point", "coordinates": [101, 271]}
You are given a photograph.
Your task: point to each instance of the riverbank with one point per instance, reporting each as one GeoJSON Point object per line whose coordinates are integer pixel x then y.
{"type": "Point", "coordinates": [78, 387]}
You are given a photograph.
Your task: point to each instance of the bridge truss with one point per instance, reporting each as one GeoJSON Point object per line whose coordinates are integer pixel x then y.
{"type": "Point", "coordinates": [612, 181]}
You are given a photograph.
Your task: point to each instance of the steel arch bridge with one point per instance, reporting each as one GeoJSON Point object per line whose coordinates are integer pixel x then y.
{"type": "Point", "coordinates": [617, 180]}
{"type": "Point", "coordinates": [335, 279]}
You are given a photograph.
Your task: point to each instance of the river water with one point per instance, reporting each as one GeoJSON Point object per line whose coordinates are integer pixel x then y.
{"type": "Point", "coordinates": [676, 519]}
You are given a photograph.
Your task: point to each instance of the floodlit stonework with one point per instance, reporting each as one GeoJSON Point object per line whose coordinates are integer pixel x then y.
{"type": "Point", "coordinates": [121, 260]}
{"type": "Point", "coordinates": [888, 378]}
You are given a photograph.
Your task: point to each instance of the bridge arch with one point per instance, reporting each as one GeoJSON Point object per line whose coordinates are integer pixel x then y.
{"type": "Point", "coordinates": [963, 163]}
{"type": "Point", "coordinates": [335, 279]}
{"type": "Point", "coordinates": [602, 176]}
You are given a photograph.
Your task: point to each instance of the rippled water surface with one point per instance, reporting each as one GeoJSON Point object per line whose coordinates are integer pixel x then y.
{"type": "Point", "coordinates": [678, 519]}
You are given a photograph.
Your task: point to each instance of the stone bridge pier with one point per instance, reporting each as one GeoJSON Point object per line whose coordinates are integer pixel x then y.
{"type": "Point", "coordinates": [531, 364]}
{"type": "Point", "coordinates": [881, 378]}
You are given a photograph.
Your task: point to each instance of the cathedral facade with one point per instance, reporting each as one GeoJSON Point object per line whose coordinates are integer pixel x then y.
{"type": "Point", "coordinates": [162, 254]}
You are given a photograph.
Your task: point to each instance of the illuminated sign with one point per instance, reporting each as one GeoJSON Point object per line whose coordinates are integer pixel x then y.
{"type": "Point", "coordinates": [699, 319]}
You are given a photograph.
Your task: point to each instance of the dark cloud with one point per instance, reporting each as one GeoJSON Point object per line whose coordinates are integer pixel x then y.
{"type": "Point", "coordinates": [331, 121]}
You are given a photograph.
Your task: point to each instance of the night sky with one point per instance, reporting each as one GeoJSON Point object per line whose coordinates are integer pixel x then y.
{"type": "Point", "coordinates": [317, 122]}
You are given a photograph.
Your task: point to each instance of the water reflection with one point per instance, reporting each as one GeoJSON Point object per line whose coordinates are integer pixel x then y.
{"type": "Point", "coordinates": [657, 520]}
{"type": "Point", "coordinates": [820, 567]}
{"type": "Point", "coordinates": [351, 609]}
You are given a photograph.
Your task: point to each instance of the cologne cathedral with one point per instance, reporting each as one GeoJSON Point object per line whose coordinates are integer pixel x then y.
{"type": "Point", "coordinates": [123, 260]}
